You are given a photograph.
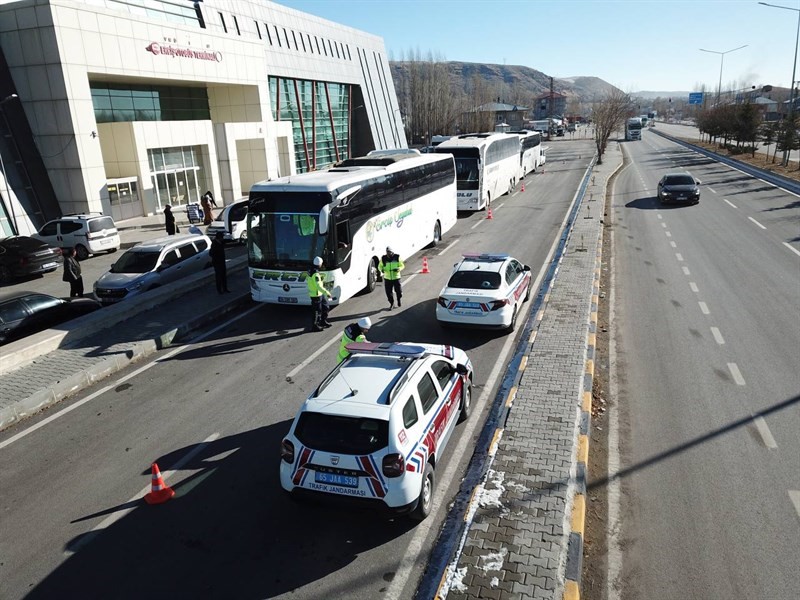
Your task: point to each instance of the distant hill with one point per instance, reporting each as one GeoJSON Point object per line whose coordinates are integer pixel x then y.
{"type": "Point", "coordinates": [510, 83]}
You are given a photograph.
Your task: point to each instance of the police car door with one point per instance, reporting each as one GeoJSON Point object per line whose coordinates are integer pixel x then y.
{"type": "Point", "coordinates": [449, 384]}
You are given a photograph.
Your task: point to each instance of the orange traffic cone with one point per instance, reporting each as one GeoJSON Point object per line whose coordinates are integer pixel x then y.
{"type": "Point", "coordinates": [159, 492]}
{"type": "Point", "coordinates": [523, 186]}
{"type": "Point", "coordinates": [489, 213]}
{"type": "Point", "coordinates": [425, 265]}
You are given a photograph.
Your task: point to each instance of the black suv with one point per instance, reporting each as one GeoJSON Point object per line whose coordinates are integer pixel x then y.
{"type": "Point", "coordinates": [678, 187]}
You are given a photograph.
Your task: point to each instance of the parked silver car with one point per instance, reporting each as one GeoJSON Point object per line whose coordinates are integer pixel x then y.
{"type": "Point", "coordinates": [152, 264]}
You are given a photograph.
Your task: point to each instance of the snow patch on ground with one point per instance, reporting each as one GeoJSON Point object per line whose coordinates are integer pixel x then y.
{"type": "Point", "coordinates": [457, 582]}
{"type": "Point", "coordinates": [492, 561]}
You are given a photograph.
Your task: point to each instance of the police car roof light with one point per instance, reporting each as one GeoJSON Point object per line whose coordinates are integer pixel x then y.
{"type": "Point", "coordinates": [387, 349]}
{"type": "Point", "coordinates": [485, 256]}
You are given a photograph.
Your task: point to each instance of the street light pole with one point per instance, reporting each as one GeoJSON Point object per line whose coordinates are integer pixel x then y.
{"type": "Point", "coordinates": [785, 161]}
{"type": "Point", "coordinates": [721, 61]}
{"type": "Point", "coordinates": [14, 228]}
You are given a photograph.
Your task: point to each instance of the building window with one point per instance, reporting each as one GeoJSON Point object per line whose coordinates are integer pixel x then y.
{"type": "Point", "coordinates": [258, 29]}
{"type": "Point", "coordinates": [286, 35]}
{"type": "Point", "coordinates": [310, 46]}
{"type": "Point", "coordinates": [316, 39]}
{"type": "Point", "coordinates": [319, 113]}
{"type": "Point", "coordinates": [115, 102]}
{"type": "Point", "coordinates": [222, 20]}
{"type": "Point", "coordinates": [336, 45]}
{"type": "Point", "coordinates": [294, 37]}
{"type": "Point", "coordinates": [236, 23]}
{"type": "Point", "coordinates": [183, 13]}
{"type": "Point", "coordinates": [269, 37]}
{"type": "Point", "coordinates": [349, 56]}
{"type": "Point", "coordinates": [278, 37]}
{"type": "Point", "coordinates": [330, 47]}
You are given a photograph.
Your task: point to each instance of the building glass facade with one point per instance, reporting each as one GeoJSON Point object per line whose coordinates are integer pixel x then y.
{"type": "Point", "coordinates": [320, 116]}
{"type": "Point", "coordinates": [177, 174]}
{"type": "Point", "coordinates": [118, 102]}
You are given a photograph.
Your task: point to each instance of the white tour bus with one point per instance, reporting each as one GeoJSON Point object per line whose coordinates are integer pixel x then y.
{"type": "Point", "coordinates": [347, 215]}
{"type": "Point", "coordinates": [487, 166]}
{"type": "Point", "coordinates": [530, 151]}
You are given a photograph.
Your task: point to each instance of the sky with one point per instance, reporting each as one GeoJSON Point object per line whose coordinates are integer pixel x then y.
{"type": "Point", "coordinates": [636, 45]}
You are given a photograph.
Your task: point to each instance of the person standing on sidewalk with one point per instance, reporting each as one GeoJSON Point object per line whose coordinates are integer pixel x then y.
{"type": "Point", "coordinates": [72, 274]}
{"type": "Point", "coordinates": [319, 296]}
{"type": "Point", "coordinates": [355, 332]}
{"type": "Point", "coordinates": [217, 254]}
{"type": "Point", "coordinates": [210, 197]}
{"type": "Point", "coordinates": [207, 215]}
{"type": "Point", "coordinates": [169, 220]}
{"type": "Point", "coordinates": [390, 266]}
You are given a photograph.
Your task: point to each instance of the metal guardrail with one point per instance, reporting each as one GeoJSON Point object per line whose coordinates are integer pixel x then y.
{"type": "Point", "coordinates": [773, 178]}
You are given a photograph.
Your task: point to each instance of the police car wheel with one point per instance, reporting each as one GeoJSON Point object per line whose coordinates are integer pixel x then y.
{"type": "Point", "coordinates": [425, 495]}
{"type": "Point", "coordinates": [513, 325]}
{"type": "Point", "coordinates": [466, 402]}
{"type": "Point", "coordinates": [528, 293]}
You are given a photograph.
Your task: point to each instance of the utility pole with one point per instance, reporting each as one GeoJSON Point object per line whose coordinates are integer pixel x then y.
{"type": "Point", "coordinates": [550, 108]}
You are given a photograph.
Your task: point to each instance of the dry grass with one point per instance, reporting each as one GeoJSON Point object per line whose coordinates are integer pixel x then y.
{"type": "Point", "coordinates": [760, 161]}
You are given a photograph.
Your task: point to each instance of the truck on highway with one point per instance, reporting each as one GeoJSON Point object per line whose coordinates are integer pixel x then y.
{"type": "Point", "coordinates": [633, 129]}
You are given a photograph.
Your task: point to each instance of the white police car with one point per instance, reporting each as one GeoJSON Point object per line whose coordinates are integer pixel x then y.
{"type": "Point", "coordinates": [376, 427]}
{"type": "Point", "coordinates": [485, 290]}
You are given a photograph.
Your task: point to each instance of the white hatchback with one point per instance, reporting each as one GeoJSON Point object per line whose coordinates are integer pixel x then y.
{"type": "Point", "coordinates": [89, 233]}
{"type": "Point", "coordinates": [374, 430]}
{"type": "Point", "coordinates": [485, 290]}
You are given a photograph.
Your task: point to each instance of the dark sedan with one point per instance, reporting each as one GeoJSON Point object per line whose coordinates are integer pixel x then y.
{"type": "Point", "coordinates": [26, 313]}
{"type": "Point", "coordinates": [22, 256]}
{"type": "Point", "coordinates": [678, 188]}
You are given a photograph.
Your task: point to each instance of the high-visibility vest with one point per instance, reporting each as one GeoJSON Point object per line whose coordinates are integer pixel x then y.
{"type": "Point", "coordinates": [314, 284]}
{"type": "Point", "coordinates": [346, 339]}
{"type": "Point", "coordinates": [306, 224]}
{"type": "Point", "coordinates": [391, 268]}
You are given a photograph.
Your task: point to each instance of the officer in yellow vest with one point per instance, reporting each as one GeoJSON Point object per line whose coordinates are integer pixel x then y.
{"type": "Point", "coordinates": [355, 332]}
{"type": "Point", "coordinates": [390, 266]}
{"type": "Point", "coordinates": [319, 296]}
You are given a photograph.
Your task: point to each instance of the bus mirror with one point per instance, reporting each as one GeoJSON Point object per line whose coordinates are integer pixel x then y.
{"type": "Point", "coordinates": [324, 217]}
{"type": "Point", "coordinates": [347, 193]}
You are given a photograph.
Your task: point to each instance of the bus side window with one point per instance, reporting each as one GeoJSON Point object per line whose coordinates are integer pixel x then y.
{"type": "Point", "coordinates": [343, 241]}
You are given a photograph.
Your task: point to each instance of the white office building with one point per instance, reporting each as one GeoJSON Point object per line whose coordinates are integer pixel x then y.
{"type": "Point", "coordinates": [125, 106]}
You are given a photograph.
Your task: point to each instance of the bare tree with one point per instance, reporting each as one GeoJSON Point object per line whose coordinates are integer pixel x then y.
{"type": "Point", "coordinates": [609, 116]}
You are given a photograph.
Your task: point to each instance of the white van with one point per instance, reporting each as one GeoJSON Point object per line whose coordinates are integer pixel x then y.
{"type": "Point", "coordinates": [232, 222]}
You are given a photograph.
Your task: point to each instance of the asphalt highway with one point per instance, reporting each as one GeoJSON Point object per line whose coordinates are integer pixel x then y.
{"type": "Point", "coordinates": [212, 413]}
{"type": "Point", "coordinates": [706, 318]}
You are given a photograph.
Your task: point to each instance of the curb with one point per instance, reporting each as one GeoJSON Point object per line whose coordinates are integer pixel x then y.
{"type": "Point", "coordinates": [574, 565]}
{"type": "Point", "coordinates": [79, 381]}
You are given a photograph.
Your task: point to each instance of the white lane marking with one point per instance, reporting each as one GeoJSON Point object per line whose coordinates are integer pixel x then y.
{"type": "Point", "coordinates": [406, 280]}
{"type": "Point", "coordinates": [792, 248]}
{"type": "Point", "coordinates": [756, 222]}
{"type": "Point", "coordinates": [712, 190]}
{"type": "Point", "coordinates": [693, 287]}
{"type": "Point", "coordinates": [478, 223]}
{"type": "Point", "coordinates": [130, 375]}
{"type": "Point", "coordinates": [794, 496]}
{"type": "Point", "coordinates": [765, 433]}
{"type": "Point", "coordinates": [664, 225]}
{"type": "Point", "coordinates": [668, 234]}
{"type": "Point", "coordinates": [499, 206]}
{"type": "Point", "coordinates": [311, 358]}
{"type": "Point", "coordinates": [731, 203]}
{"type": "Point", "coordinates": [704, 308]}
{"type": "Point", "coordinates": [413, 558]}
{"type": "Point", "coordinates": [679, 256]}
{"type": "Point", "coordinates": [117, 515]}
{"type": "Point", "coordinates": [673, 244]}
{"type": "Point", "coordinates": [717, 335]}
{"type": "Point", "coordinates": [659, 216]}
{"type": "Point", "coordinates": [686, 270]}
{"type": "Point", "coordinates": [450, 246]}
{"type": "Point", "coordinates": [736, 373]}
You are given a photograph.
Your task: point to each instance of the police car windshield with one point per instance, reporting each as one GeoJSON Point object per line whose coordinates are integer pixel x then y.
{"type": "Point", "coordinates": [475, 280]}
{"type": "Point", "coordinates": [343, 435]}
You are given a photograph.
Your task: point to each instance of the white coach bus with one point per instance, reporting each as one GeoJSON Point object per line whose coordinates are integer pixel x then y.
{"type": "Point", "coordinates": [487, 166]}
{"type": "Point", "coordinates": [347, 215]}
{"type": "Point", "coordinates": [530, 152]}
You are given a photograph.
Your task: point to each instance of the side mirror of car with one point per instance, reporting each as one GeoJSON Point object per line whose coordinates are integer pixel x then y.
{"type": "Point", "coordinates": [697, 181]}
{"type": "Point", "coordinates": [461, 369]}
{"type": "Point", "coordinates": [526, 268]}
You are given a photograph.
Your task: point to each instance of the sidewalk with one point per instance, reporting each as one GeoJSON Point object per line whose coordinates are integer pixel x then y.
{"type": "Point", "coordinates": [77, 364]}
{"type": "Point", "coordinates": [522, 529]}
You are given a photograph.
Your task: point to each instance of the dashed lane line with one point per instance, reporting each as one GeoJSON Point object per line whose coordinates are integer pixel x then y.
{"type": "Point", "coordinates": [679, 256]}
{"type": "Point", "coordinates": [717, 336]}
{"type": "Point", "coordinates": [731, 203]}
{"type": "Point", "coordinates": [686, 271]}
{"type": "Point", "coordinates": [711, 190]}
{"type": "Point", "coordinates": [668, 234]}
{"type": "Point", "coordinates": [664, 225]}
{"type": "Point", "coordinates": [693, 287]}
{"type": "Point", "coordinates": [792, 248]}
{"type": "Point", "coordinates": [736, 374]}
{"type": "Point", "coordinates": [765, 433]}
{"type": "Point", "coordinates": [448, 247]}
{"type": "Point", "coordinates": [704, 308]}
{"type": "Point", "coordinates": [756, 222]}
{"type": "Point", "coordinates": [673, 245]}
{"type": "Point", "coordinates": [794, 496]}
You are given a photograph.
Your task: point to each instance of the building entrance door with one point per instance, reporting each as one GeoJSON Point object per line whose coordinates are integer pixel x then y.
{"type": "Point", "coordinates": [124, 197]}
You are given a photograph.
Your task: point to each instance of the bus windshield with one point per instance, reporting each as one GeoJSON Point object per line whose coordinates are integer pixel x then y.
{"type": "Point", "coordinates": [467, 167]}
{"type": "Point", "coordinates": [283, 229]}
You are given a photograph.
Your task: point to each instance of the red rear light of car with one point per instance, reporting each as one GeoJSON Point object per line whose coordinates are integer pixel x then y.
{"type": "Point", "coordinates": [442, 301]}
{"type": "Point", "coordinates": [498, 304]}
{"type": "Point", "coordinates": [287, 451]}
{"type": "Point", "coordinates": [393, 465]}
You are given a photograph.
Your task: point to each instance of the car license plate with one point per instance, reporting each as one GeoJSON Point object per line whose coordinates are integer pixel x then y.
{"type": "Point", "coordinates": [287, 300]}
{"type": "Point", "coordinates": [336, 479]}
{"type": "Point", "coordinates": [51, 265]}
{"type": "Point", "coordinates": [468, 305]}
{"type": "Point", "coordinates": [682, 197]}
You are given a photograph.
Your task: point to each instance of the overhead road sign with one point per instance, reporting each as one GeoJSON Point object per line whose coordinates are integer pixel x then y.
{"type": "Point", "coordinates": [696, 98]}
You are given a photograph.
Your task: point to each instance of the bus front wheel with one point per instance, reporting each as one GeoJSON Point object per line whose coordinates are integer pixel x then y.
{"type": "Point", "coordinates": [437, 235]}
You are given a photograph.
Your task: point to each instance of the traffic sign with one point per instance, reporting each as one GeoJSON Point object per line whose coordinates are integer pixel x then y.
{"type": "Point", "coordinates": [696, 98]}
